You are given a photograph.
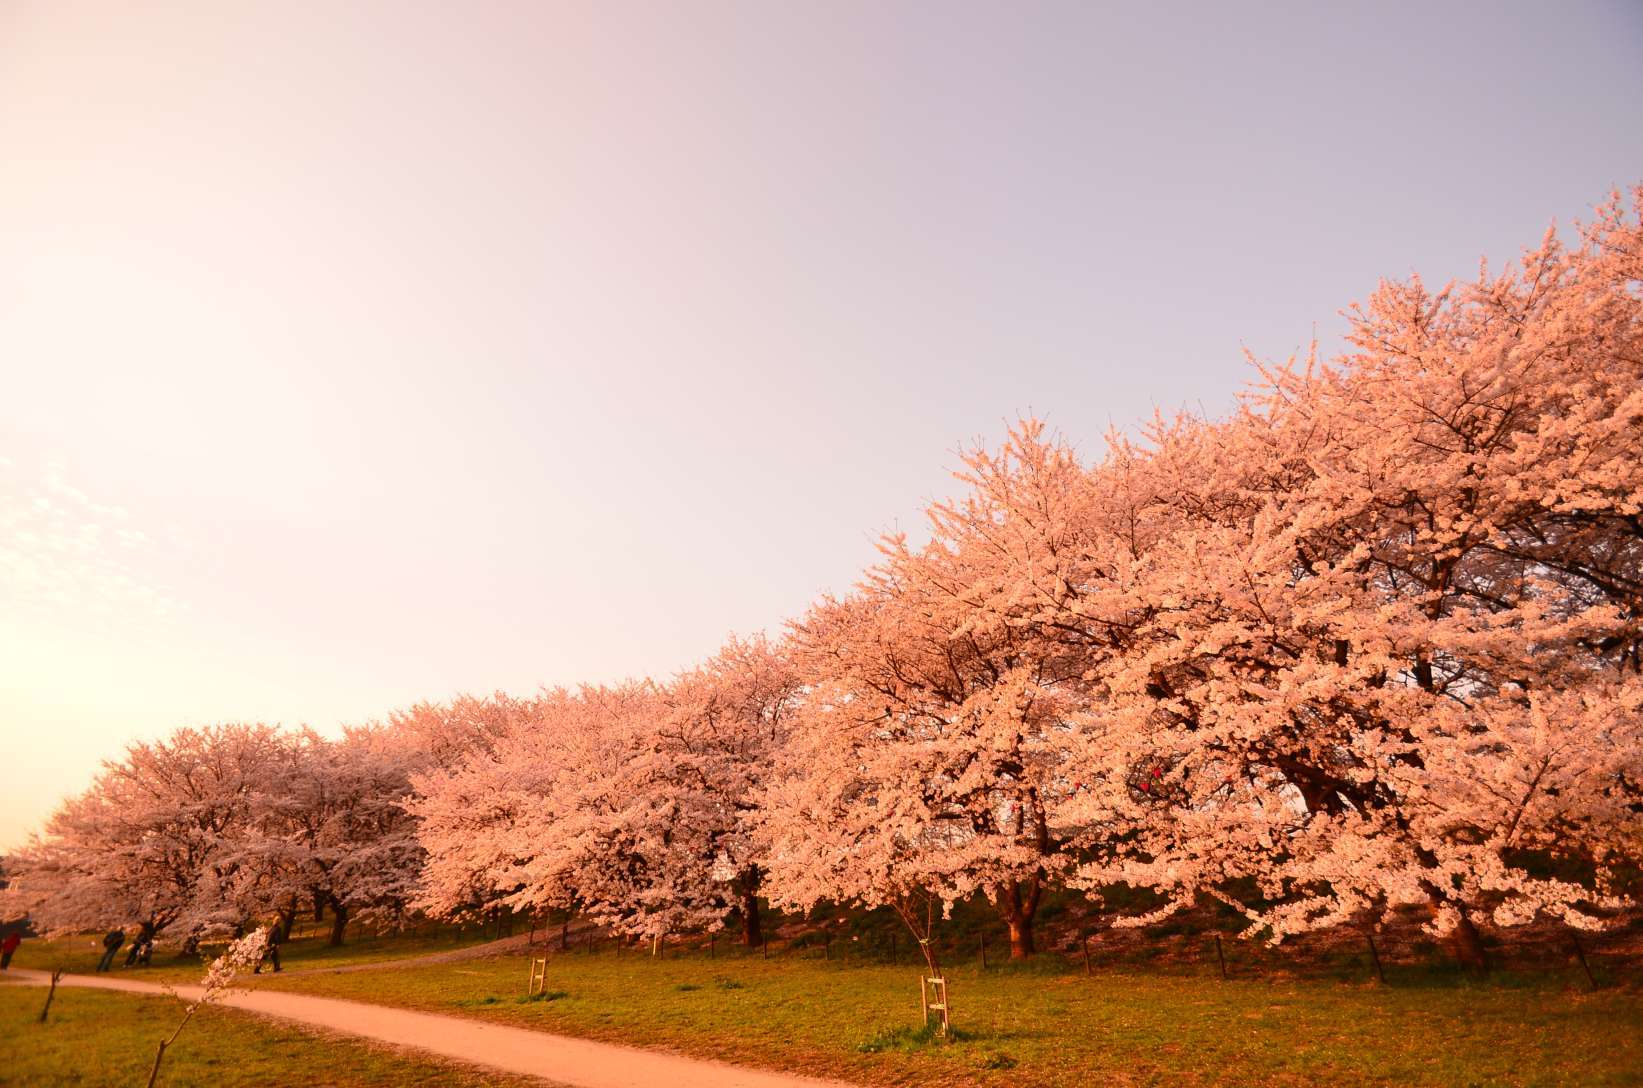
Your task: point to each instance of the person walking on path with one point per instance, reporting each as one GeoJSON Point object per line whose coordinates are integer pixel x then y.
{"type": "Point", "coordinates": [111, 945]}
{"type": "Point", "coordinates": [271, 950]}
{"type": "Point", "coordinates": [7, 947]}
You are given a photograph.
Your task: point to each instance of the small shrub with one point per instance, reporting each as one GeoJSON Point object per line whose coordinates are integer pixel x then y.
{"type": "Point", "coordinates": [545, 995]}
{"type": "Point", "coordinates": [911, 1038]}
{"type": "Point", "coordinates": [686, 987]}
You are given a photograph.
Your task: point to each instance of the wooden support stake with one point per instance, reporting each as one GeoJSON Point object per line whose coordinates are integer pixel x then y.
{"type": "Point", "coordinates": [1221, 956]}
{"type": "Point", "coordinates": [936, 988]}
{"type": "Point", "coordinates": [51, 993]}
{"type": "Point", "coordinates": [984, 952]}
{"type": "Point", "coordinates": [1580, 954]}
{"type": "Point", "coordinates": [1086, 943]}
{"type": "Point", "coordinates": [764, 947]}
{"type": "Point", "coordinates": [713, 944]}
{"type": "Point", "coordinates": [827, 945]}
{"type": "Point", "coordinates": [1375, 956]}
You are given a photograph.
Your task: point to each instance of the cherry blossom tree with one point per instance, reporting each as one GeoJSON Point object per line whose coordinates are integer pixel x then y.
{"type": "Point", "coordinates": [443, 735]}
{"type": "Point", "coordinates": [928, 763]}
{"type": "Point", "coordinates": [687, 791]}
{"type": "Point", "coordinates": [152, 841]}
{"type": "Point", "coordinates": [1381, 645]}
{"type": "Point", "coordinates": [501, 828]}
{"type": "Point", "coordinates": [334, 829]}
{"type": "Point", "coordinates": [633, 804]}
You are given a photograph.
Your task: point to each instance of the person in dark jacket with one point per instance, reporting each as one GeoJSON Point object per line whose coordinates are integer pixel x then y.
{"type": "Point", "coordinates": [7, 947]}
{"type": "Point", "coordinates": [111, 945]}
{"type": "Point", "coordinates": [271, 950]}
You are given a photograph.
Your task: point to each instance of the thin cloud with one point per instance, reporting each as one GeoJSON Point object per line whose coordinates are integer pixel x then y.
{"type": "Point", "coordinates": [62, 549]}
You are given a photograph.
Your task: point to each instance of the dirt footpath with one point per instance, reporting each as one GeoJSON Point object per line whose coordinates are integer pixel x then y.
{"type": "Point", "coordinates": [560, 1059]}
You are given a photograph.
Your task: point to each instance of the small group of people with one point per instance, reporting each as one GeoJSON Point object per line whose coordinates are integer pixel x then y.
{"type": "Point", "coordinates": [142, 949]}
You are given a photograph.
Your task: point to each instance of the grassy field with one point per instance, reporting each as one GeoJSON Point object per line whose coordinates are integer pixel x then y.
{"type": "Point", "coordinates": [1168, 1022]}
{"type": "Point", "coordinates": [1043, 1026]}
{"type": "Point", "coordinates": [99, 1038]}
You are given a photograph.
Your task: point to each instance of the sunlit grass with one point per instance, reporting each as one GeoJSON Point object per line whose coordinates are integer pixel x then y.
{"type": "Point", "coordinates": [856, 1016]}
{"type": "Point", "coordinates": [94, 1037]}
{"type": "Point", "coordinates": [1046, 1025]}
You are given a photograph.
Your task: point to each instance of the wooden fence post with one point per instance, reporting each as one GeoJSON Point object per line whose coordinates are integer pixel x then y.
{"type": "Point", "coordinates": [1374, 954]}
{"type": "Point", "coordinates": [1221, 956]}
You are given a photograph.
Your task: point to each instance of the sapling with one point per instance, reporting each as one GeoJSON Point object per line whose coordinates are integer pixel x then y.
{"type": "Point", "coordinates": [246, 952]}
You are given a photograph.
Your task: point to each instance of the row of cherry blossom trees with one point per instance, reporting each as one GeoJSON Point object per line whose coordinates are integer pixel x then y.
{"type": "Point", "coordinates": [1372, 643]}
{"type": "Point", "coordinates": [637, 805]}
{"type": "Point", "coordinates": [199, 834]}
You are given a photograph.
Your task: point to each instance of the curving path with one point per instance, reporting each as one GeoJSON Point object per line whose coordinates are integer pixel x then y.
{"type": "Point", "coordinates": [561, 1059]}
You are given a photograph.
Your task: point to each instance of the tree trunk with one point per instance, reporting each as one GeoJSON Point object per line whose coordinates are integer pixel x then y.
{"type": "Point", "coordinates": [1468, 946]}
{"type": "Point", "coordinates": [564, 933]}
{"type": "Point", "coordinates": [932, 959]}
{"type": "Point", "coordinates": [1021, 937]}
{"type": "Point", "coordinates": [1018, 911]}
{"type": "Point", "coordinates": [339, 922]}
{"type": "Point", "coordinates": [319, 907]}
{"type": "Point", "coordinates": [752, 931]}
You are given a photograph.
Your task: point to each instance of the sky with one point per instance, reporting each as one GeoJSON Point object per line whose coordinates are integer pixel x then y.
{"type": "Point", "coordinates": [357, 354]}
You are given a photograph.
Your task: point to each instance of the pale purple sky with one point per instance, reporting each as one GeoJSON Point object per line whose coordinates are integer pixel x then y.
{"type": "Point", "coordinates": [358, 354]}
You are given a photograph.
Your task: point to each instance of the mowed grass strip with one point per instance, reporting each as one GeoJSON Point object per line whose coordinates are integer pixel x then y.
{"type": "Point", "coordinates": [1044, 1027]}
{"type": "Point", "coordinates": [95, 1037]}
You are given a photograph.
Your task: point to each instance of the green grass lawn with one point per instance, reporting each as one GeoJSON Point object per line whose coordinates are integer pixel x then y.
{"type": "Point", "coordinates": [100, 1038]}
{"type": "Point", "coordinates": [1044, 1025]}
